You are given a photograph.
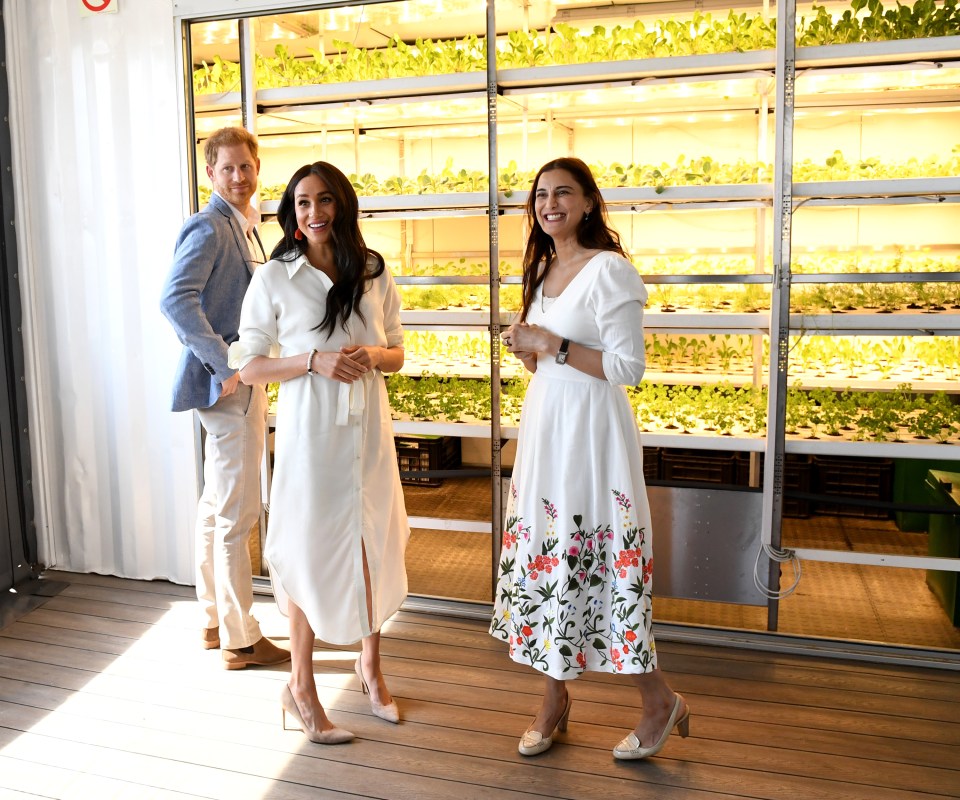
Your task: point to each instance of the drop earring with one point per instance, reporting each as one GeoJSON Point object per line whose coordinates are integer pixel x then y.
{"type": "Point", "coordinates": [298, 234]}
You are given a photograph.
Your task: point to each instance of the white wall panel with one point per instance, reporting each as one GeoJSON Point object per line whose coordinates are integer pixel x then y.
{"type": "Point", "coordinates": [97, 157]}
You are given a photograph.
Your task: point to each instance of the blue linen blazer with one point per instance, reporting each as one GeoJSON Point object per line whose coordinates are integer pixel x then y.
{"type": "Point", "coordinates": [202, 299]}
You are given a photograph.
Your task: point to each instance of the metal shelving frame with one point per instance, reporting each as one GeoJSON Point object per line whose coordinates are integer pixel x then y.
{"type": "Point", "coordinates": [785, 66]}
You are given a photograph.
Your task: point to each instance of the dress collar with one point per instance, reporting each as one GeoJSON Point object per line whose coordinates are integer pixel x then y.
{"type": "Point", "coordinates": [296, 264]}
{"type": "Point", "coordinates": [248, 219]}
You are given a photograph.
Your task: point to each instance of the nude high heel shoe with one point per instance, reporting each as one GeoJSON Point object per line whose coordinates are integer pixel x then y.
{"type": "Point", "coordinates": [532, 743]}
{"type": "Point", "coordinates": [388, 712]}
{"type": "Point", "coordinates": [332, 736]}
{"type": "Point", "coordinates": [629, 747]}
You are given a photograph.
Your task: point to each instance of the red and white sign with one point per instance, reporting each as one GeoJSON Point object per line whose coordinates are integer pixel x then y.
{"type": "Point", "coordinates": [93, 8]}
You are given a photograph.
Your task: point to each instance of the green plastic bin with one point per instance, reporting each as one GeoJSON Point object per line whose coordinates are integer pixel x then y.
{"type": "Point", "coordinates": [944, 539]}
{"type": "Point", "coordinates": [909, 475]}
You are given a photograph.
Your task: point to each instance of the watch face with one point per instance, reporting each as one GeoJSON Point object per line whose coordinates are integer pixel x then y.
{"type": "Point", "coordinates": [562, 357]}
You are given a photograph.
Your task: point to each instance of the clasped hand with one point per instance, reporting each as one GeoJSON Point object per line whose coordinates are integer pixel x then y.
{"type": "Point", "coordinates": [348, 364]}
{"type": "Point", "coordinates": [524, 340]}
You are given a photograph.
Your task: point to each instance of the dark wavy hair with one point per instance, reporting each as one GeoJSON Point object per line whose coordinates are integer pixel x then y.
{"type": "Point", "coordinates": [594, 232]}
{"type": "Point", "coordinates": [350, 251]}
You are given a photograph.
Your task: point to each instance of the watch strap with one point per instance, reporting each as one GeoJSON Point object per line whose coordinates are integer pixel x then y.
{"type": "Point", "coordinates": [562, 352]}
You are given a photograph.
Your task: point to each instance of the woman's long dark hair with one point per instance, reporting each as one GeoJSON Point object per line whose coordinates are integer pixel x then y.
{"type": "Point", "coordinates": [593, 232]}
{"type": "Point", "coordinates": [350, 251]}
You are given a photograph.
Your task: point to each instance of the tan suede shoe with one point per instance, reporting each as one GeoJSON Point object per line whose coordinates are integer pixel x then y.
{"type": "Point", "coordinates": [262, 654]}
{"type": "Point", "coordinates": [211, 638]}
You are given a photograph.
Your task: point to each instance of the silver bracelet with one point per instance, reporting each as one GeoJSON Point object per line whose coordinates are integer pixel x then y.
{"type": "Point", "coordinates": [310, 362]}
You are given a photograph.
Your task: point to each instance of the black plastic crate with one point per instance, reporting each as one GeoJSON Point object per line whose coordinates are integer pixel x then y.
{"type": "Point", "coordinates": [651, 463]}
{"type": "Point", "coordinates": [698, 466]}
{"type": "Point", "coordinates": [797, 477]}
{"type": "Point", "coordinates": [423, 453]}
{"type": "Point", "coordinates": [857, 479]}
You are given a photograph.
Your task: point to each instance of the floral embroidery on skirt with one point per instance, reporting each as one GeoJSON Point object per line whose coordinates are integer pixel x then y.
{"type": "Point", "coordinates": [576, 595]}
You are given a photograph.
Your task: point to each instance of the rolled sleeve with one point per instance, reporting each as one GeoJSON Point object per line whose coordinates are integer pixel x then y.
{"type": "Point", "coordinates": [240, 354]}
{"type": "Point", "coordinates": [391, 313]}
{"type": "Point", "coordinates": [620, 299]}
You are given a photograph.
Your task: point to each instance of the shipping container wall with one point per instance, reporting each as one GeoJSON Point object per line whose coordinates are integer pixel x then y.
{"type": "Point", "coordinates": [98, 165]}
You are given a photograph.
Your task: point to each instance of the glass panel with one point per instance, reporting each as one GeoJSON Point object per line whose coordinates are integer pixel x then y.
{"type": "Point", "coordinates": [906, 238]}
{"type": "Point", "coordinates": [894, 121]}
{"type": "Point", "coordinates": [450, 564]}
{"type": "Point", "coordinates": [354, 43]}
{"type": "Point", "coordinates": [415, 148]}
{"type": "Point", "coordinates": [412, 146]}
{"type": "Point", "coordinates": [569, 32]}
{"type": "Point", "coordinates": [417, 152]}
{"type": "Point", "coordinates": [643, 135]}
{"type": "Point", "coordinates": [216, 57]}
{"type": "Point", "coordinates": [840, 601]}
{"type": "Point", "coordinates": [860, 602]}
{"type": "Point", "coordinates": [854, 144]}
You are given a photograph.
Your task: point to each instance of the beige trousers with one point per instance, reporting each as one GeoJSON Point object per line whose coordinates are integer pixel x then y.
{"type": "Point", "coordinates": [229, 506]}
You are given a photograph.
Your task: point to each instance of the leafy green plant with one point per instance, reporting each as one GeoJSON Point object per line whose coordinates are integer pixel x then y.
{"type": "Point", "coordinates": [698, 33]}
{"type": "Point", "coordinates": [216, 78]}
{"type": "Point", "coordinates": [684, 172]}
{"type": "Point", "coordinates": [795, 415]}
{"type": "Point", "coordinates": [933, 418]}
{"type": "Point", "coordinates": [878, 417]}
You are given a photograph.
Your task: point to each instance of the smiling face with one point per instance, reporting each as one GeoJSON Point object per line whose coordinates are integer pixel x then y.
{"type": "Point", "coordinates": [560, 204]}
{"type": "Point", "coordinates": [316, 209]}
{"type": "Point", "coordinates": [234, 176]}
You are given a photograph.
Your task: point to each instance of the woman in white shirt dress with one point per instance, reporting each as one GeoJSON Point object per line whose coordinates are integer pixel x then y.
{"type": "Point", "coordinates": [574, 589]}
{"type": "Point", "coordinates": [322, 318]}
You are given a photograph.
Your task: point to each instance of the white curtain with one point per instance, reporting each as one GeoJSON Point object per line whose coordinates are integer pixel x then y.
{"type": "Point", "coordinates": [98, 167]}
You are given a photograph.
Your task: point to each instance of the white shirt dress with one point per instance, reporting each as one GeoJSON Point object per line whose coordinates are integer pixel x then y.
{"type": "Point", "coordinates": [336, 485]}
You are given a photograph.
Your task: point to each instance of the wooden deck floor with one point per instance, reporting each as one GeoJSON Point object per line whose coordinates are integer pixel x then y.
{"type": "Point", "coordinates": [104, 693]}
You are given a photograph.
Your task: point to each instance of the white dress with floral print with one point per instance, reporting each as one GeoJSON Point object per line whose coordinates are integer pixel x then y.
{"type": "Point", "coordinates": [574, 591]}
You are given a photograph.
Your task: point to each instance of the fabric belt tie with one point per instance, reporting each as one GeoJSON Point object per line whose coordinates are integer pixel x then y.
{"type": "Point", "coordinates": [351, 399]}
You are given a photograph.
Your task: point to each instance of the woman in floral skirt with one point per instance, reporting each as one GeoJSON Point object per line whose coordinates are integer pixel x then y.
{"type": "Point", "coordinates": [574, 592]}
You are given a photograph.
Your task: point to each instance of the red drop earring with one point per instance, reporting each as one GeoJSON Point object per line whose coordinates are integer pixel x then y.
{"type": "Point", "coordinates": [298, 234]}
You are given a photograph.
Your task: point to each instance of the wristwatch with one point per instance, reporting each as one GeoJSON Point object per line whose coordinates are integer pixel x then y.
{"type": "Point", "coordinates": [562, 352]}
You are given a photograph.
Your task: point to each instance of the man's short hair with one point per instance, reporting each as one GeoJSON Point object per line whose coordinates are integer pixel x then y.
{"type": "Point", "coordinates": [228, 137]}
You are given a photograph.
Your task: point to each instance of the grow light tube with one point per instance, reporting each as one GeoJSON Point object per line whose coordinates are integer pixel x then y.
{"type": "Point", "coordinates": [422, 131]}
{"type": "Point", "coordinates": [855, 200]}
{"type": "Point", "coordinates": [367, 102]}
{"type": "Point", "coordinates": [627, 83]}
{"type": "Point", "coordinates": [442, 327]}
{"type": "Point", "coordinates": [269, 139]}
{"type": "Point", "coordinates": [812, 73]}
{"type": "Point", "coordinates": [682, 278]}
{"type": "Point", "coordinates": [641, 115]}
{"type": "Point", "coordinates": [440, 280]}
{"type": "Point", "coordinates": [422, 213]}
{"type": "Point", "coordinates": [666, 206]}
{"type": "Point", "coordinates": [634, 10]}
{"type": "Point", "coordinates": [945, 100]}
{"type": "Point", "coordinates": [876, 277]}
{"type": "Point", "coordinates": [688, 205]}
{"type": "Point", "coordinates": [214, 120]}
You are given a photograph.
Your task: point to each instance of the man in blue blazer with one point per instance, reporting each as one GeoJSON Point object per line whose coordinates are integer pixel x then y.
{"type": "Point", "coordinates": [215, 255]}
